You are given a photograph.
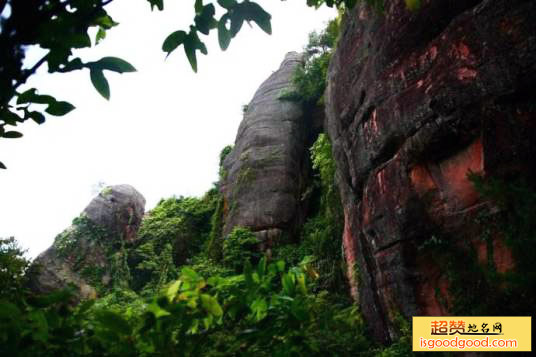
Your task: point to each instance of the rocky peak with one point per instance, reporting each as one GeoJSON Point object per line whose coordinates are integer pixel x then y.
{"type": "Point", "coordinates": [264, 175]}
{"type": "Point", "coordinates": [89, 253]}
{"type": "Point", "coordinates": [415, 102]}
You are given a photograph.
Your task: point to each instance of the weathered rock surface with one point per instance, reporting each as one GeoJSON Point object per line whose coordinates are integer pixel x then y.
{"type": "Point", "coordinates": [89, 253]}
{"type": "Point", "coordinates": [415, 101]}
{"type": "Point", "coordinates": [266, 172]}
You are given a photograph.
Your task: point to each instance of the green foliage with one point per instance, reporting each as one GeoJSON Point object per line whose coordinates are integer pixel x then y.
{"type": "Point", "coordinates": [268, 310]}
{"type": "Point", "coordinates": [175, 230]}
{"type": "Point", "coordinates": [309, 80]}
{"type": "Point", "coordinates": [403, 346]}
{"type": "Point", "coordinates": [67, 242]}
{"type": "Point", "coordinates": [215, 243]}
{"type": "Point", "coordinates": [224, 152]}
{"type": "Point", "coordinates": [321, 235]}
{"type": "Point", "coordinates": [13, 266]}
{"type": "Point", "coordinates": [239, 247]}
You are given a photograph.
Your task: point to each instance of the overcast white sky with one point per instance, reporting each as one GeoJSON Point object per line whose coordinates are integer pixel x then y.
{"type": "Point", "coordinates": [163, 128]}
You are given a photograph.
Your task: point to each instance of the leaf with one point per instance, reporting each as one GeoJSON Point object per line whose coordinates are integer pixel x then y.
{"type": "Point", "coordinates": [280, 265]}
{"type": "Point", "coordinates": [211, 305]}
{"type": "Point", "coordinates": [248, 272]}
{"type": "Point", "coordinates": [101, 35]}
{"type": "Point", "coordinates": [189, 49]}
{"type": "Point", "coordinates": [255, 12]}
{"type": "Point", "coordinates": [158, 3]}
{"type": "Point", "coordinates": [224, 35]}
{"type": "Point", "coordinates": [31, 96]}
{"type": "Point", "coordinates": [190, 274]}
{"type": "Point", "coordinates": [114, 322]}
{"type": "Point", "coordinates": [173, 289]}
{"type": "Point", "coordinates": [173, 41]}
{"type": "Point", "coordinates": [259, 307]}
{"type": "Point", "coordinates": [261, 267]}
{"type": "Point", "coordinates": [114, 64]}
{"type": "Point", "coordinates": [288, 284]}
{"type": "Point", "coordinates": [236, 22]}
{"type": "Point", "coordinates": [59, 108]}
{"type": "Point", "coordinates": [205, 21]}
{"type": "Point", "coordinates": [227, 4]}
{"type": "Point", "coordinates": [198, 6]}
{"type": "Point", "coordinates": [100, 83]}
{"type": "Point", "coordinates": [413, 5]}
{"type": "Point", "coordinates": [301, 283]}
{"type": "Point", "coordinates": [12, 135]}
{"type": "Point", "coordinates": [157, 311]}
{"type": "Point", "coordinates": [106, 22]}
{"type": "Point", "coordinates": [10, 118]}
{"type": "Point", "coordinates": [36, 117]}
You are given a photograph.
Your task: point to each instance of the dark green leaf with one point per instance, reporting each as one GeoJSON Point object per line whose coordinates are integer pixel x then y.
{"type": "Point", "coordinates": [73, 65]}
{"type": "Point", "coordinates": [236, 22]}
{"type": "Point", "coordinates": [224, 35]}
{"type": "Point", "coordinates": [100, 82]}
{"type": "Point", "coordinates": [173, 41]}
{"type": "Point", "coordinates": [114, 322]}
{"type": "Point", "coordinates": [57, 56]}
{"type": "Point", "coordinates": [227, 4]}
{"type": "Point", "coordinates": [114, 64]}
{"type": "Point", "coordinates": [45, 300]}
{"type": "Point", "coordinates": [158, 3]}
{"type": "Point", "coordinates": [27, 96]}
{"type": "Point", "coordinates": [10, 118]}
{"type": "Point", "coordinates": [189, 49]}
{"type": "Point", "coordinates": [254, 12]}
{"type": "Point", "coordinates": [198, 6]}
{"type": "Point", "coordinates": [248, 274]}
{"type": "Point", "coordinates": [31, 96]}
{"type": "Point", "coordinates": [12, 135]}
{"type": "Point", "coordinates": [261, 267]}
{"type": "Point", "coordinates": [37, 117]}
{"type": "Point", "coordinates": [78, 40]}
{"type": "Point", "coordinates": [59, 108]}
{"type": "Point", "coordinates": [7, 309]}
{"type": "Point", "coordinates": [205, 21]}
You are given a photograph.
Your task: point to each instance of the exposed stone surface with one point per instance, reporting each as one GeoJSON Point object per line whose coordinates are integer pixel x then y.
{"type": "Point", "coordinates": [88, 254]}
{"type": "Point", "coordinates": [415, 101]}
{"type": "Point", "coordinates": [266, 172]}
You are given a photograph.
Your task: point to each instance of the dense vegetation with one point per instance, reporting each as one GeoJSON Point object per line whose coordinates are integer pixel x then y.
{"type": "Point", "coordinates": [179, 301]}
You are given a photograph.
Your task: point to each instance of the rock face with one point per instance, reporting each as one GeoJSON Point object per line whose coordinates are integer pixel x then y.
{"type": "Point", "coordinates": [89, 253]}
{"type": "Point", "coordinates": [415, 101]}
{"type": "Point", "coordinates": [265, 173]}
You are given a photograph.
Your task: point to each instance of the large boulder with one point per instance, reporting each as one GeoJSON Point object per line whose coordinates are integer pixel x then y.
{"type": "Point", "coordinates": [266, 173]}
{"type": "Point", "coordinates": [415, 101]}
{"type": "Point", "coordinates": [90, 253]}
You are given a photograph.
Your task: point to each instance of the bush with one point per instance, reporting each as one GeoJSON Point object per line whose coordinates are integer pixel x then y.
{"type": "Point", "coordinates": [309, 80]}
{"type": "Point", "coordinates": [268, 310]}
{"type": "Point", "coordinates": [13, 267]}
{"type": "Point", "coordinates": [174, 231]}
{"type": "Point", "coordinates": [239, 247]}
